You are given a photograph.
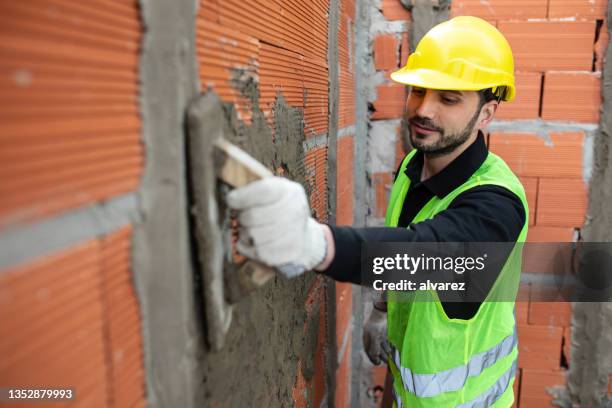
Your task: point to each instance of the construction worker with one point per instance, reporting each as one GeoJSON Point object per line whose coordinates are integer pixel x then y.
{"type": "Point", "coordinates": [449, 188]}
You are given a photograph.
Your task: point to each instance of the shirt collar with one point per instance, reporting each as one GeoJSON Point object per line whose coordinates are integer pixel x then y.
{"type": "Point", "coordinates": [455, 173]}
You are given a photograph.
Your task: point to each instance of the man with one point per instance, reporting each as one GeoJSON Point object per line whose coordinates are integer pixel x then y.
{"type": "Point", "coordinates": [448, 189]}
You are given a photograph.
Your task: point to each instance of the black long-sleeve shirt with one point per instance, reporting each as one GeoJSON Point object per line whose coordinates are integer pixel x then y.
{"type": "Point", "coordinates": [480, 214]}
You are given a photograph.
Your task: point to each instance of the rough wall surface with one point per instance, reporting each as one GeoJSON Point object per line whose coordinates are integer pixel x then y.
{"type": "Point", "coordinates": [590, 375]}
{"type": "Point", "coordinates": [283, 72]}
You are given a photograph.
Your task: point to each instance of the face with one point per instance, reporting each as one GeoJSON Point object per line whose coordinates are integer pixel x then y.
{"type": "Point", "coordinates": [440, 121]}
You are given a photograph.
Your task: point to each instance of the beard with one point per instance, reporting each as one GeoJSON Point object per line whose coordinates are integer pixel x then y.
{"type": "Point", "coordinates": [447, 143]}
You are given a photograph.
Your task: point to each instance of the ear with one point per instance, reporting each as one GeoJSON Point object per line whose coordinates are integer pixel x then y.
{"type": "Point", "coordinates": [487, 113]}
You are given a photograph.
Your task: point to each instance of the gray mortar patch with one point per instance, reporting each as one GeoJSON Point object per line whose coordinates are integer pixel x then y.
{"type": "Point", "coordinates": [383, 134]}
{"type": "Point", "coordinates": [161, 253]}
{"type": "Point", "coordinates": [425, 15]}
{"type": "Point", "coordinates": [258, 365]}
{"type": "Point", "coordinates": [591, 360]}
{"type": "Point", "coordinates": [544, 129]}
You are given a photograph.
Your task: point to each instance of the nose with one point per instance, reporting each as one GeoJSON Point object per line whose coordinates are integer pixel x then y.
{"type": "Point", "coordinates": [426, 107]}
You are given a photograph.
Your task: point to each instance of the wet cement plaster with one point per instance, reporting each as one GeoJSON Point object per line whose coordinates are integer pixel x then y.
{"type": "Point", "coordinates": [591, 344]}
{"type": "Point", "coordinates": [271, 330]}
{"type": "Point", "coordinates": [161, 259]}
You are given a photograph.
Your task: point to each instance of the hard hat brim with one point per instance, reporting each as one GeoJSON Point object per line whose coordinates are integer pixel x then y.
{"type": "Point", "coordinates": [425, 78]}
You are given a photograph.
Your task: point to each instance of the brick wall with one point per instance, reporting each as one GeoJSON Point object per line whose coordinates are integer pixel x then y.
{"type": "Point", "coordinates": [284, 45]}
{"type": "Point", "coordinates": [557, 51]}
{"type": "Point", "coordinates": [70, 124]}
{"type": "Point", "coordinates": [390, 49]}
{"type": "Point", "coordinates": [558, 48]}
{"type": "Point", "coordinates": [389, 52]}
{"type": "Point", "coordinates": [70, 140]}
{"type": "Point", "coordinates": [70, 149]}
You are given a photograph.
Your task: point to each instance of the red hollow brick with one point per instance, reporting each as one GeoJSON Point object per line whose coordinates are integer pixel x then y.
{"type": "Point", "coordinates": [534, 385]}
{"type": "Point", "coordinates": [404, 49]}
{"type": "Point", "coordinates": [393, 10]}
{"type": "Point", "coordinates": [123, 316]}
{"type": "Point", "coordinates": [390, 101]}
{"type": "Point", "coordinates": [52, 307]}
{"type": "Point", "coordinates": [386, 48]}
{"type": "Point", "coordinates": [344, 183]}
{"type": "Point", "coordinates": [522, 304]}
{"type": "Point", "coordinates": [539, 347]}
{"type": "Point", "coordinates": [584, 91]}
{"type": "Point", "coordinates": [500, 9]}
{"type": "Point", "coordinates": [315, 165]}
{"type": "Point", "coordinates": [210, 10]}
{"type": "Point", "coordinates": [379, 373]}
{"type": "Point", "coordinates": [381, 183]}
{"type": "Point", "coordinates": [522, 312]}
{"type": "Point", "coordinates": [595, 9]}
{"type": "Point", "coordinates": [70, 120]}
{"type": "Point", "coordinates": [344, 311]}
{"type": "Point", "coordinates": [549, 257]}
{"type": "Point", "coordinates": [526, 104]}
{"type": "Point", "coordinates": [561, 202]}
{"type": "Point", "coordinates": [550, 313]}
{"type": "Point", "coordinates": [535, 44]}
{"type": "Point", "coordinates": [550, 234]}
{"type": "Point", "coordinates": [343, 378]}
{"type": "Point", "coordinates": [530, 155]}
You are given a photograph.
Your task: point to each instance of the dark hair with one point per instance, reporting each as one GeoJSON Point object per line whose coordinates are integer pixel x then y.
{"type": "Point", "coordinates": [487, 95]}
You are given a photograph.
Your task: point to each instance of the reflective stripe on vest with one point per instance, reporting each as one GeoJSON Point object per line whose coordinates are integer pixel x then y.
{"type": "Point", "coordinates": [398, 400]}
{"type": "Point", "coordinates": [488, 398]}
{"type": "Point", "coordinates": [465, 377]}
{"type": "Point", "coordinates": [453, 379]}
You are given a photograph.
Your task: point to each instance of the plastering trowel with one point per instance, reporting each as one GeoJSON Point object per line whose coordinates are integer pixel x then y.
{"type": "Point", "coordinates": [213, 158]}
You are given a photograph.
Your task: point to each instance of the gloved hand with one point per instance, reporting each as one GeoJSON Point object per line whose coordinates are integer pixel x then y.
{"type": "Point", "coordinates": [375, 337]}
{"type": "Point", "coordinates": [276, 227]}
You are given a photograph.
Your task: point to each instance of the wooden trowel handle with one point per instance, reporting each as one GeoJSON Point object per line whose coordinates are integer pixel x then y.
{"type": "Point", "coordinates": [237, 168]}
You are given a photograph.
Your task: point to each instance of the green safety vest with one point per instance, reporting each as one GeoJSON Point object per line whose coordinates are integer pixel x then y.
{"type": "Point", "coordinates": [441, 362]}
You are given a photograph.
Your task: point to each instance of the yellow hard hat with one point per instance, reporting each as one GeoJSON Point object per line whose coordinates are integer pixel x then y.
{"type": "Point", "coordinates": [464, 54]}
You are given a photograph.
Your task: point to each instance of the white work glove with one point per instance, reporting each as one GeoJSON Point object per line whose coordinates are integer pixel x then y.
{"type": "Point", "coordinates": [375, 337]}
{"type": "Point", "coordinates": [276, 227]}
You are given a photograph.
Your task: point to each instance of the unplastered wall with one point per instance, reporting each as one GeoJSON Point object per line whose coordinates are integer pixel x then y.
{"type": "Point", "coordinates": [392, 31]}
{"type": "Point", "coordinates": [547, 136]}
{"type": "Point", "coordinates": [70, 162]}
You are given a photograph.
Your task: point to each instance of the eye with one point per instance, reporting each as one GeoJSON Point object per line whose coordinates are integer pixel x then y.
{"type": "Point", "coordinates": [449, 101]}
{"type": "Point", "coordinates": [418, 91]}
